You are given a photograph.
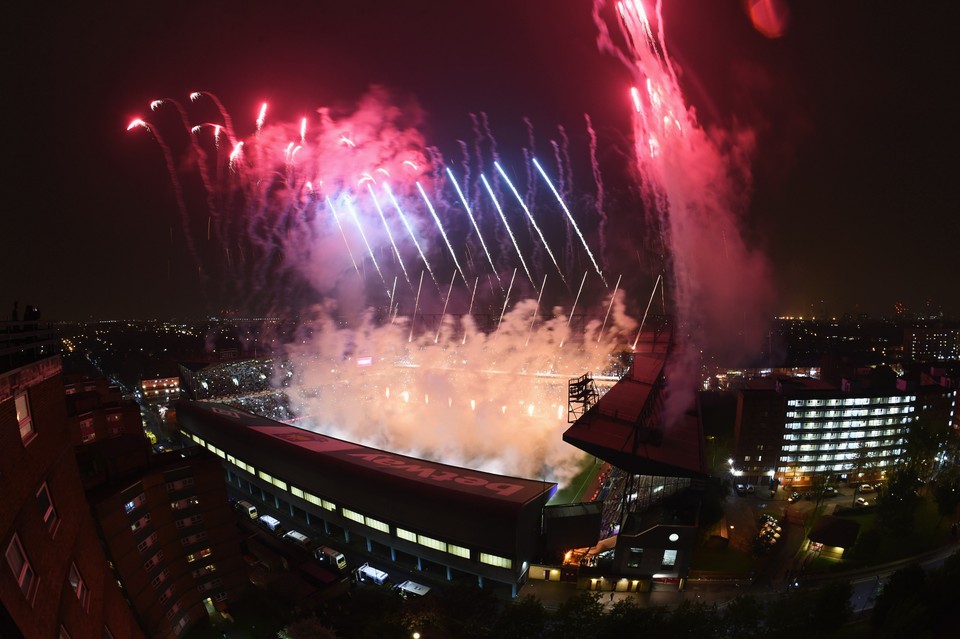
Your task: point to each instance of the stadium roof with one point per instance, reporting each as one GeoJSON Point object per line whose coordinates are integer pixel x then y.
{"type": "Point", "coordinates": [457, 503]}
{"type": "Point", "coordinates": [618, 428]}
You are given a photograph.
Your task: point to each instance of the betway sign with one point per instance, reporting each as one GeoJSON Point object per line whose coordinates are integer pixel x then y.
{"type": "Point", "coordinates": [468, 481]}
{"type": "Point", "coordinates": [399, 466]}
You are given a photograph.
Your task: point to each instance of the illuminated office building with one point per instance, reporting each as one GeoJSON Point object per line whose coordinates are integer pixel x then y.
{"type": "Point", "coordinates": [796, 429]}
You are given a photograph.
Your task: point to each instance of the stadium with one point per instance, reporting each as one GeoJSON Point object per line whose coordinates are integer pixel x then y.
{"type": "Point", "coordinates": [633, 524]}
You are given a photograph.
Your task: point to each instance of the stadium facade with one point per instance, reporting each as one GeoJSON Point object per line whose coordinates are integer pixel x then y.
{"type": "Point", "coordinates": [467, 521]}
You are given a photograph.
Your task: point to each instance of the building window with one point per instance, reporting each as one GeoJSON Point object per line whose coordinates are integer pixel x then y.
{"type": "Point", "coordinates": [146, 543]}
{"type": "Point", "coordinates": [429, 542]}
{"type": "Point", "coordinates": [406, 534]}
{"type": "Point", "coordinates": [184, 503]}
{"type": "Point", "coordinates": [180, 484]}
{"type": "Point", "coordinates": [187, 522]}
{"type": "Point", "coordinates": [459, 551]}
{"type": "Point", "coordinates": [26, 421]}
{"type": "Point", "coordinates": [669, 558]}
{"type": "Point", "coordinates": [169, 592]}
{"type": "Point", "coordinates": [354, 515]}
{"type": "Point", "coordinates": [159, 579]}
{"type": "Point", "coordinates": [151, 563]}
{"type": "Point", "coordinates": [47, 512]}
{"type": "Point", "coordinates": [79, 587]}
{"type": "Point", "coordinates": [494, 560]}
{"type": "Point", "coordinates": [634, 557]}
{"type": "Point", "coordinates": [377, 525]}
{"type": "Point", "coordinates": [200, 554]}
{"type": "Point", "coordinates": [204, 570]}
{"type": "Point", "coordinates": [22, 570]}
{"type": "Point", "coordinates": [87, 431]}
{"type": "Point", "coordinates": [140, 523]}
{"type": "Point", "coordinates": [135, 503]}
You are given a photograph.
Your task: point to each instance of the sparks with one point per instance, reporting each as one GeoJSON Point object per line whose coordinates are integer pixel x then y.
{"type": "Point", "coordinates": [473, 221]}
{"type": "Point", "coordinates": [509, 232]}
{"type": "Point", "coordinates": [533, 222]}
{"type": "Point", "coordinates": [572, 221]}
{"type": "Point", "coordinates": [262, 117]}
{"type": "Point", "coordinates": [443, 233]}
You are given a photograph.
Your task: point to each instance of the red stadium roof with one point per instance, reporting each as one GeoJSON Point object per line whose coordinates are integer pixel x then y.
{"type": "Point", "coordinates": [401, 468]}
{"type": "Point", "coordinates": [624, 429]}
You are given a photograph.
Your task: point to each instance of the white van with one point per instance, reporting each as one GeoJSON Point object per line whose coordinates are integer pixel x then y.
{"type": "Point", "coordinates": [413, 588]}
{"type": "Point", "coordinates": [272, 524]}
{"type": "Point", "coordinates": [299, 539]}
{"type": "Point", "coordinates": [366, 572]}
{"type": "Point", "coordinates": [246, 507]}
{"type": "Point", "coordinates": [331, 557]}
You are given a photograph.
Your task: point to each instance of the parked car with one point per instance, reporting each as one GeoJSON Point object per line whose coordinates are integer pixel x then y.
{"type": "Point", "coordinates": [741, 489]}
{"type": "Point", "coordinates": [766, 518]}
{"type": "Point", "coordinates": [866, 488]}
{"type": "Point", "coordinates": [862, 502]}
{"type": "Point", "coordinates": [794, 497]}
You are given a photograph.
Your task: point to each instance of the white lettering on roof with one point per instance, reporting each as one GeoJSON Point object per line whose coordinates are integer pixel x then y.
{"type": "Point", "coordinates": [503, 489]}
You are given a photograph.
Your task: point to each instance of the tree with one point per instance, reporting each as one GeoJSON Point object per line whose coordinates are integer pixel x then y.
{"type": "Point", "coordinates": [626, 616]}
{"type": "Point", "coordinates": [579, 616]}
{"type": "Point", "coordinates": [524, 619]}
{"type": "Point", "coordinates": [899, 501]}
{"type": "Point", "coordinates": [923, 442]}
{"type": "Point", "coordinates": [465, 611]}
{"type": "Point", "coordinates": [904, 587]}
{"type": "Point", "coordinates": [370, 611]}
{"type": "Point", "coordinates": [694, 620]}
{"type": "Point", "coordinates": [309, 628]}
{"type": "Point", "coordinates": [743, 618]}
{"type": "Point", "coordinates": [831, 604]}
{"type": "Point", "coordinates": [946, 492]}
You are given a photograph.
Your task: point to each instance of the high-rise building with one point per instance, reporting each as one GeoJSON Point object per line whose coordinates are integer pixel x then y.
{"type": "Point", "coordinates": [797, 429]}
{"type": "Point", "coordinates": [57, 582]}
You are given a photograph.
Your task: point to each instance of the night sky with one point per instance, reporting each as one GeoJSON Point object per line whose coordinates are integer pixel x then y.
{"type": "Point", "coordinates": [855, 198]}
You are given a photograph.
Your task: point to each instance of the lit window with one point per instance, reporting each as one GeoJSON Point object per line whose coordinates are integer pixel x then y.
{"type": "Point", "coordinates": [429, 542]}
{"type": "Point", "coordinates": [353, 515]}
{"type": "Point", "coordinates": [79, 587]}
{"type": "Point", "coordinates": [377, 525]}
{"type": "Point", "coordinates": [22, 570]}
{"type": "Point", "coordinates": [494, 560]}
{"type": "Point", "coordinates": [200, 554]}
{"type": "Point", "coordinates": [140, 523]}
{"type": "Point", "coordinates": [135, 503]}
{"type": "Point", "coordinates": [669, 558]}
{"type": "Point", "coordinates": [459, 551]}
{"type": "Point", "coordinates": [406, 534]}
{"type": "Point", "coordinates": [26, 421]}
{"type": "Point", "coordinates": [47, 512]}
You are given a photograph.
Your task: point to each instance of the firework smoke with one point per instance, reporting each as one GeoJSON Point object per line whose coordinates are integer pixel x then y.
{"type": "Point", "coordinates": [692, 184]}
{"type": "Point", "coordinates": [307, 209]}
